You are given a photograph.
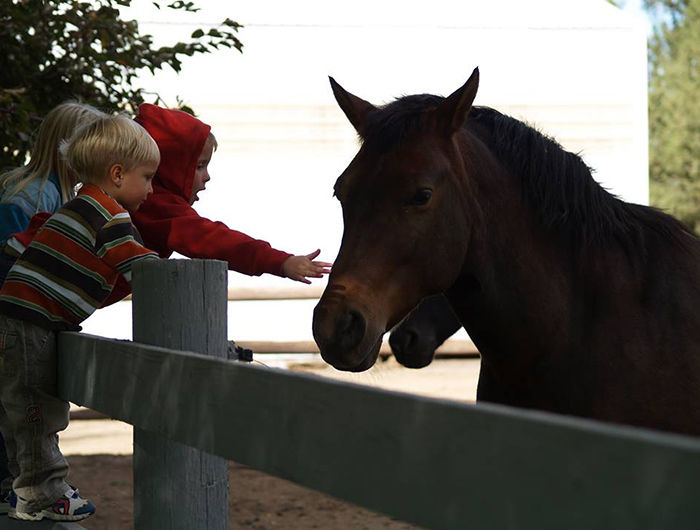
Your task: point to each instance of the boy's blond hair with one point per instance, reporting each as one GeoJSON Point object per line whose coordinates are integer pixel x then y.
{"type": "Point", "coordinates": [58, 125]}
{"type": "Point", "coordinates": [97, 146]}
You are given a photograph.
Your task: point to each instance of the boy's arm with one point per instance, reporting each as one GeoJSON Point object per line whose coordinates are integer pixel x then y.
{"type": "Point", "coordinates": [191, 235]}
{"type": "Point", "coordinates": [121, 290]}
{"type": "Point", "coordinates": [117, 246]}
{"type": "Point", "coordinates": [20, 240]}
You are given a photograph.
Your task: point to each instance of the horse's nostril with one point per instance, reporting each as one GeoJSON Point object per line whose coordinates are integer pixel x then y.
{"type": "Point", "coordinates": [349, 330]}
{"type": "Point", "coordinates": [411, 338]}
{"type": "Point", "coordinates": [354, 328]}
{"type": "Point", "coordinates": [348, 320]}
{"type": "Point", "coordinates": [340, 332]}
{"type": "Point", "coordinates": [402, 341]}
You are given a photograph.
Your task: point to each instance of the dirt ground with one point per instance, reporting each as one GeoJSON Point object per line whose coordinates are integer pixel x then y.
{"type": "Point", "coordinates": [99, 453]}
{"type": "Point", "coordinates": [256, 501]}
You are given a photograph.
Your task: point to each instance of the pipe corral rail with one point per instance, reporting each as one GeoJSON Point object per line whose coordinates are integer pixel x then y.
{"type": "Point", "coordinates": [435, 463]}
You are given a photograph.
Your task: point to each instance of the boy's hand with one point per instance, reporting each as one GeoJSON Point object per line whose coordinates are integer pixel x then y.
{"type": "Point", "coordinates": [299, 267]}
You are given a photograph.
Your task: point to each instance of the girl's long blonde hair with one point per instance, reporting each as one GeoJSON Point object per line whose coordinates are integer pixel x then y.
{"type": "Point", "coordinates": [58, 125]}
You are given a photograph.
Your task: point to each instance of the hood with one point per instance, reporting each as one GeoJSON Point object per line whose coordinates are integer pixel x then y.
{"type": "Point", "coordinates": [180, 138]}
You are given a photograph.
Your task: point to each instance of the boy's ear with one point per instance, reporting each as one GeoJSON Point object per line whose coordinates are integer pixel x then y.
{"type": "Point", "coordinates": [116, 172]}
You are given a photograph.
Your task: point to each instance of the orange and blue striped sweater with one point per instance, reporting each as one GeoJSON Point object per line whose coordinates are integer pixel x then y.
{"type": "Point", "coordinates": [71, 266]}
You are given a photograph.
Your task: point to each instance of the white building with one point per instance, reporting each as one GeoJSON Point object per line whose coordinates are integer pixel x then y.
{"type": "Point", "coordinates": [576, 69]}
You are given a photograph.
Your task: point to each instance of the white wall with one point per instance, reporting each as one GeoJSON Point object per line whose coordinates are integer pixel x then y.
{"type": "Point", "coordinates": [574, 68]}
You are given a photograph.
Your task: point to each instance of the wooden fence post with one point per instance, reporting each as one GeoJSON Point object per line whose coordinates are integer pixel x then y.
{"type": "Point", "coordinates": [179, 304]}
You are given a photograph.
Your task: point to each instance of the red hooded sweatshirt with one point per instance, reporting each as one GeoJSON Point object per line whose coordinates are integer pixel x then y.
{"type": "Point", "coordinates": [166, 220]}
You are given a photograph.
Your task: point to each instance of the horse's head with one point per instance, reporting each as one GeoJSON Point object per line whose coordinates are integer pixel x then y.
{"type": "Point", "coordinates": [406, 224]}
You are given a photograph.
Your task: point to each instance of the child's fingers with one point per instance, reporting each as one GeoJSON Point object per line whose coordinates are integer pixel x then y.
{"type": "Point", "coordinates": [314, 254]}
{"type": "Point", "coordinates": [301, 267]}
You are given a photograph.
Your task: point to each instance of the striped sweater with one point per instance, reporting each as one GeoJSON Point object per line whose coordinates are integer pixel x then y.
{"type": "Point", "coordinates": [73, 263]}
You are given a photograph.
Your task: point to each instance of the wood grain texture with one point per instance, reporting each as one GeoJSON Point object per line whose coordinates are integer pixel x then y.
{"type": "Point", "coordinates": [179, 304]}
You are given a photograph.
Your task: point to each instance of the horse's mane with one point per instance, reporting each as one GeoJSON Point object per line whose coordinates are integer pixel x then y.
{"type": "Point", "coordinates": [555, 182]}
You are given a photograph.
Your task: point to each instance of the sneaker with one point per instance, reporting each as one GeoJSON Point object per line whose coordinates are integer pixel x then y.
{"type": "Point", "coordinates": [70, 507]}
{"type": "Point", "coordinates": [5, 502]}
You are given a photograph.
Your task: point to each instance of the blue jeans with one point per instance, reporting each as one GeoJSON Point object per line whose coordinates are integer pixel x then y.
{"type": "Point", "coordinates": [5, 476]}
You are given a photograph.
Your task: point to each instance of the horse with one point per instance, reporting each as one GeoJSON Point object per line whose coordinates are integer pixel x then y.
{"type": "Point", "coordinates": [414, 341]}
{"type": "Point", "coordinates": [579, 303]}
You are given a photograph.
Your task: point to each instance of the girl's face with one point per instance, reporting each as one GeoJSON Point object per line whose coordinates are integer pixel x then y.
{"type": "Point", "coordinates": [201, 174]}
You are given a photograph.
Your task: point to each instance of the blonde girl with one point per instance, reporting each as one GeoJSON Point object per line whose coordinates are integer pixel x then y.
{"type": "Point", "coordinates": [46, 182]}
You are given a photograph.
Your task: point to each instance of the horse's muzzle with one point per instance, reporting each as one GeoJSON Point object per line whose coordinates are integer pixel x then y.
{"type": "Point", "coordinates": [412, 349]}
{"type": "Point", "coordinates": [341, 333]}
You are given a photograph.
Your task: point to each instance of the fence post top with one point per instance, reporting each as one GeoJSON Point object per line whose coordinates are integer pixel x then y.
{"type": "Point", "coordinates": [182, 263]}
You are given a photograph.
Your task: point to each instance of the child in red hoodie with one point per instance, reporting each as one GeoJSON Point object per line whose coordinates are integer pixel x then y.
{"type": "Point", "coordinates": [167, 221]}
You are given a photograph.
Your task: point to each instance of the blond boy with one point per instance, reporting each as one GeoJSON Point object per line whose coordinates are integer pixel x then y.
{"type": "Point", "coordinates": [62, 277]}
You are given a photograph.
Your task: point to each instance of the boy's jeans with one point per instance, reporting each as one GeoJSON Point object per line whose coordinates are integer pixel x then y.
{"type": "Point", "coordinates": [5, 476]}
{"type": "Point", "coordinates": [31, 415]}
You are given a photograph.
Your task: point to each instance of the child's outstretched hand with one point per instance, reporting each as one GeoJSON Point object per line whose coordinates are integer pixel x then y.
{"type": "Point", "coordinates": [299, 267]}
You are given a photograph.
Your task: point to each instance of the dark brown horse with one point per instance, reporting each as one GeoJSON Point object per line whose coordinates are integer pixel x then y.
{"type": "Point", "coordinates": [414, 341]}
{"type": "Point", "coordinates": [579, 302]}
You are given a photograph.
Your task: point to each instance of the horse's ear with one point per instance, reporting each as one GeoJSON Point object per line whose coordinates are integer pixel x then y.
{"type": "Point", "coordinates": [356, 109]}
{"type": "Point", "coordinates": [452, 112]}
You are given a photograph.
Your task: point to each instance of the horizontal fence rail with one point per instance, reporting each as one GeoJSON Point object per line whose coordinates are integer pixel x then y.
{"type": "Point", "coordinates": [432, 462]}
{"type": "Point", "coordinates": [451, 348]}
{"type": "Point", "coordinates": [285, 292]}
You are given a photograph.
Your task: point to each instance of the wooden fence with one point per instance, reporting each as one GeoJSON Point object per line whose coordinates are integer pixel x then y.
{"type": "Point", "coordinates": [435, 463]}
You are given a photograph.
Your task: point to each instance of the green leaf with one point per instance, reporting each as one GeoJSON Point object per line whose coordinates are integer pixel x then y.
{"type": "Point", "coordinates": [54, 50]}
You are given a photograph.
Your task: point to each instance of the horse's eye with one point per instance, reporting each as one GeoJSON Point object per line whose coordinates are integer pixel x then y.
{"type": "Point", "coordinates": [421, 197]}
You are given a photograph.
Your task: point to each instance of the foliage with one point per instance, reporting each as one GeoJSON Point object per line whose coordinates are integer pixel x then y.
{"type": "Point", "coordinates": [54, 50]}
{"type": "Point", "coordinates": [674, 114]}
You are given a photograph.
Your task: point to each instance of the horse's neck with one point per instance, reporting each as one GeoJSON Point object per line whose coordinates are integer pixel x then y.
{"type": "Point", "coordinates": [526, 293]}
{"type": "Point", "coordinates": [515, 286]}
{"type": "Point", "coordinates": [516, 282]}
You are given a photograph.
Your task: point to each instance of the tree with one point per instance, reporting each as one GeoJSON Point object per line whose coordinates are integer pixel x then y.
{"type": "Point", "coordinates": [54, 50]}
{"type": "Point", "coordinates": [674, 113]}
